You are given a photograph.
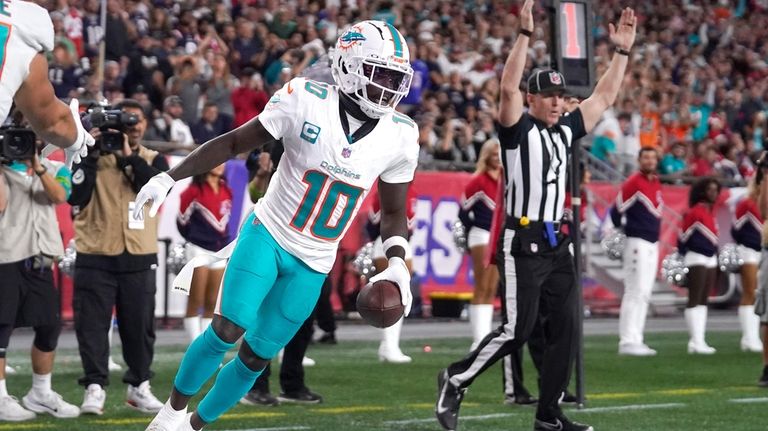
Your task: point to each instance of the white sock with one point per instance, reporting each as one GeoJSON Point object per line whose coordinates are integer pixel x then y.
{"type": "Point", "coordinates": [205, 322]}
{"type": "Point", "coordinates": [3, 390]}
{"type": "Point", "coordinates": [192, 326]}
{"type": "Point", "coordinates": [41, 383]}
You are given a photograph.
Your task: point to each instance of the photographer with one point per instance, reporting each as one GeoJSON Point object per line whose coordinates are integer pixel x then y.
{"type": "Point", "coordinates": [30, 189]}
{"type": "Point", "coordinates": [116, 255]}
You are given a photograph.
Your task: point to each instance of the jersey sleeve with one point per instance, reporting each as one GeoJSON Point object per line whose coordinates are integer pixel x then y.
{"type": "Point", "coordinates": [575, 122]}
{"type": "Point", "coordinates": [403, 168]}
{"type": "Point", "coordinates": [281, 114]}
{"type": "Point", "coordinates": [510, 137]}
{"type": "Point", "coordinates": [33, 25]}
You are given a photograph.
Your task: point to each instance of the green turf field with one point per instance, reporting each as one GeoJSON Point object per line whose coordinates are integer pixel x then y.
{"type": "Point", "coordinates": [673, 391]}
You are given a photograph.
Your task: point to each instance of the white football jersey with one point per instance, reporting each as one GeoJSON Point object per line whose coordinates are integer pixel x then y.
{"type": "Point", "coordinates": [25, 30]}
{"type": "Point", "coordinates": [322, 178]}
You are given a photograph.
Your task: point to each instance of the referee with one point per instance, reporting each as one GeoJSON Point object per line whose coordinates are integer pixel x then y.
{"type": "Point", "coordinates": [537, 268]}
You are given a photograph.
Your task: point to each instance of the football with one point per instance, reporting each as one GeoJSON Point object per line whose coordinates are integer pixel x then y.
{"type": "Point", "coordinates": [379, 304]}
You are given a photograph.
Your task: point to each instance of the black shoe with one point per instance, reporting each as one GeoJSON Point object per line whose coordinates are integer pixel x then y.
{"type": "Point", "coordinates": [561, 423]}
{"type": "Point", "coordinates": [327, 338]}
{"type": "Point", "coordinates": [568, 398]}
{"type": "Point", "coordinates": [763, 382]}
{"type": "Point", "coordinates": [449, 398]}
{"type": "Point", "coordinates": [524, 399]}
{"type": "Point", "coordinates": [304, 396]}
{"type": "Point", "coordinates": [259, 398]}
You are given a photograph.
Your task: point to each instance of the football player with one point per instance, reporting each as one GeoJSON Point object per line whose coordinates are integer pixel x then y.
{"type": "Point", "coordinates": [26, 31]}
{"type": "Point", "coordinates": [338, 140]}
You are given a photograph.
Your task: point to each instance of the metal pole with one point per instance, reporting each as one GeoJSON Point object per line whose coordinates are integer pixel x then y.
{"type": "Point", "coordinates": [576, 238]}
{"type": "Point", "coordinates": [102, 50]}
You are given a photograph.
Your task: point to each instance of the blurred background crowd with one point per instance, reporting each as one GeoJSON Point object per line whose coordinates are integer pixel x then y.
{"type": "Point", "coordinates": [696, 90]}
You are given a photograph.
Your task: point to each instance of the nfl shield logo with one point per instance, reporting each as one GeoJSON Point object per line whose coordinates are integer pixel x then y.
{"type": "Point", "coordinates": [554, 78]}
{"type": "Point", "coordinates": [534, 248]}
{"type": "Point", "coordinates": [346, 152]}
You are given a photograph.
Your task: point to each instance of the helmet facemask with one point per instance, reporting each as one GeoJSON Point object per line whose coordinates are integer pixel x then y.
{"type": "Point", "coordinates": [383, 85]}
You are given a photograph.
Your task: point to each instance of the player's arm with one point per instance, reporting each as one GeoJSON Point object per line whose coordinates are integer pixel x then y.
{"type": "Point", "coordinates": [49, 117]}
{"type": "Point", "coordinates": [609, 84]}
{"type": "Point", "coordinates": [248, 137]}
{"type": "Point", "coordinates": [394, 218]}
{"type": "Point", "coordinates": [511, 103]}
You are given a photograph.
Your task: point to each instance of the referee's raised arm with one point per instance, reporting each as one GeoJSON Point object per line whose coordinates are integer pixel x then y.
{"type": "Point", "coordinates": [511, 103]}
{"type": "Point", "coordinates": [622, 37]}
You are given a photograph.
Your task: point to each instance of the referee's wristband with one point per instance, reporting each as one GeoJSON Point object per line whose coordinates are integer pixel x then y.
{"type": "Point", "coordinates": [525, 32]}
{"type": "Point", "coordinates": [622, 51]}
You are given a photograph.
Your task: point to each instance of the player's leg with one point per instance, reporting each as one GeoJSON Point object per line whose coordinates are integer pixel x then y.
{"type": "Point", "coordinates": [195, 301]}
{"type": "Point", "coordinates": [281, 314]}
{"type": "Point", "coordinates": [325, 319]}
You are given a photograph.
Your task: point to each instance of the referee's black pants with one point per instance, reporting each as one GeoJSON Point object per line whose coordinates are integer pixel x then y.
{"type": "Point", "coordinates": [540, 283]}
{"type": "Point", "coordinates": [97, 291]}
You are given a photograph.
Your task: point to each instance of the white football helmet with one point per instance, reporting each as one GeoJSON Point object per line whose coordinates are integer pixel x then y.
{"type": "Point", "coordinates": [372, 61]}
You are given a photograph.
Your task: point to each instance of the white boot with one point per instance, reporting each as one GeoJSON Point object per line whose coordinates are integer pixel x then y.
{"type": "Point", "coordinates": [481, 320]}
{"type": "Point", "coordinates": [389, 348]}
{"type": "Point", "coordinates": [750, 329]}
{"type": "Point", "coordinates": [696, 318]}
{"type": "Point", "coordinates": [111, 364]}
{"type": "Point", "coordinates": [192, 326]}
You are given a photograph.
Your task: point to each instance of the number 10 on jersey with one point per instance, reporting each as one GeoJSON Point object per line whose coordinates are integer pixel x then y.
{"type": "Point", "coordinates": [334, 194]}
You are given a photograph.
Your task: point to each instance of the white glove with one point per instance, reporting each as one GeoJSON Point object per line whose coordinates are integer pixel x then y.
{"type": "Point", "coordinates": [155, 190]}
{"type": "Point", "coordinates": [397, 272]}
{"type": "Point", "coordinates": [79, 149]}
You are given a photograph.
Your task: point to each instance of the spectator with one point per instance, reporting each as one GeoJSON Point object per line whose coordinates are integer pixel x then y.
{"type": "Point", "coordinates": [170, 126]}
{"type": "Point", "coordinates": [30, 189]}
{"type": "Point", "coordinates": [220, 86]}
{"type": "Point", "coordinates": [698, 243]}
{"type": "Point", "coordinates": [673, 163]}
{"type": "Point", "coordinates": [211, 124]}
{"type": "Point", "coordinates": [204, 213]}
{"type": "Point", "coordinates": [145, 66]}
{"type": "Point", "coordinates": [185, 85]}
{"type": "Point", "coordinates": [249, 98]}
{"type": "Point", "coordinates": [65, 74]}
{"type": "Point", "coordinates": [116, 33]}
{"type": "Point", "coordinates": [607, 139]}
{"type": "Point", "coordinates": [116, 256]}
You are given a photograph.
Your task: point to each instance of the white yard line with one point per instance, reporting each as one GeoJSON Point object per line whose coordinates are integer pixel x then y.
{"type": "Point", "coordinates": [748, 400]}
{"type": "Point", "coordinates": [629, 407]}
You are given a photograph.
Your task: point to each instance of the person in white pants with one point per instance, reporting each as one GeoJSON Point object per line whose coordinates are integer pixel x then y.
{"type": "Point", "coordinates": [746, 232]}
{"type": "Point", "coordinates": [698, 242]}
{"type": "Point", "coordinates": [204, 213]}
{"type": "Point", "coordinates": [389, 348]}
{"type": "Point", "coordinates": [638, 212]}
{"type": "Point", "coordinates": [476, 213]}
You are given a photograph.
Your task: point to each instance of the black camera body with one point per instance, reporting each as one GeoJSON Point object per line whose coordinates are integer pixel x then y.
{"type": "Point", "coordinates": [18, 143]}
{"type": "Point", "coordinates": [112, 123]}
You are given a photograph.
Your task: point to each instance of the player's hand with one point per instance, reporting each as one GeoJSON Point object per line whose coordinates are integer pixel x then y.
{"type": "Point", "coordinates": [79, 149]}
{"type": "Point", "coordinates": [624, 36]}
{"type": "Point", "coordinates": [526, 16]}
{"type": "Point", "coordinates": [397, 272]}
{"type": "Point", "coordinates": [155, 190]}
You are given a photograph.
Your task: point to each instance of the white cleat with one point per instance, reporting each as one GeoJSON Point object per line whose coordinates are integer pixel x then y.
{"type": "Point", "coordinates": [393, 356]}
{"type": "Point", "coordinates": [50, 403]}
{"type": "Point", "coordinates": [9, 369]}
{"type": "Point", "coordinates": [12, 411]}
{"type": "Point", "coordinates": [93, 401]}
{"type": "Point", "coordinates": [142, 399]}
{"type": "Point", "coordinates": [308, 362]}
{"type": "Point", "coordinates": [700, 349]}
{"type": "Point", "coordinates": [636, 350]}
{"type": "Point", "coordinates": [748, 345]}
{"type": "Point", "coordinates": [113, 366]}
{"type": "Point", "coordinates": [167, 419]}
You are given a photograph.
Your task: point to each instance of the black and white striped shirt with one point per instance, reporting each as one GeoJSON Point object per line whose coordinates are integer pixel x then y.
{"type": "Point", "coordinates": [535, 162]}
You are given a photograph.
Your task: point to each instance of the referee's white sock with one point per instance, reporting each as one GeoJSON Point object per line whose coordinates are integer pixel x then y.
{"type": "Point", "coordinates": [41, 383]}
{"type": "Point", "coordinates": [3, 389]}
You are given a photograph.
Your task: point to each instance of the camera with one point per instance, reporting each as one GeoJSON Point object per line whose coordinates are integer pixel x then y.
{"type": "Point", "coordinates": [18, 143]}
{"type": "Point", "coordinates": [112, 123]}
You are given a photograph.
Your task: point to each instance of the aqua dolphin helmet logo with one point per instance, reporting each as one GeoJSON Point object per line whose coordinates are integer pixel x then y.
{"type": "Point", "coordinates": [350, 38]}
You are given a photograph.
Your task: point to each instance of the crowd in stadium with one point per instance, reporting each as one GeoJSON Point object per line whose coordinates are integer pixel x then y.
{"type": "Point", "coordinates": [697, 87]}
